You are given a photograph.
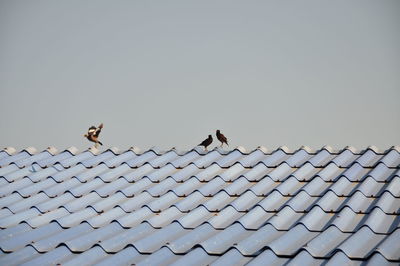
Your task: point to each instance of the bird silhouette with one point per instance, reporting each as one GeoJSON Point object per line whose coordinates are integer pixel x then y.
{"type": "Point", "coordinates": [206, 142]}
{"type": "Point", "coordinates": [93, 134]}
{"type": "Point", "coordinates": [222, 138]}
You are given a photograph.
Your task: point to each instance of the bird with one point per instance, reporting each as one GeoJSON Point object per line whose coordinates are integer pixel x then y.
{"type": "Point", "coordinates": [222, 138]}
{"type": "Point", "coordinates": [93, 134]}
{"type": "Point", "coordinates": [206, 142]}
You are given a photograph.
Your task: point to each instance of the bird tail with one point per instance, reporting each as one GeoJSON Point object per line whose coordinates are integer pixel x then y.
{"type": "Point", "coordinates": [100, 143]}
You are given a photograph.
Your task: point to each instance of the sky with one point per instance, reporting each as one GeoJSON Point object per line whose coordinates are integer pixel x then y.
{"type": "Point", "coordinates": [168, 73]}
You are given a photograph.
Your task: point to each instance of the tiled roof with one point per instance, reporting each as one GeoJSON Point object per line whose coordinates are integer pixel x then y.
{"type": "Point", "coordinates": [183, 208]}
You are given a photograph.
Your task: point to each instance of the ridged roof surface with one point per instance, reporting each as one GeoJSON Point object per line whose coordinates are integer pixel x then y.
{"type": "Point", "coordinates": [232, 207]}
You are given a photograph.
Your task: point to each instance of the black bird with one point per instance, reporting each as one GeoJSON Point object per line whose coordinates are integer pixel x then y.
{"type": "Point", "coordinates": [206, 142]}
{"type": "Point", "coordinates": [222, 138]}
{"type": "Point", "coordinates": [93, 134]}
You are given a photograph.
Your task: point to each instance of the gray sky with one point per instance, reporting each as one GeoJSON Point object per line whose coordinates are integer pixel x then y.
{"type": "Point", "coordinates": [168, 73]}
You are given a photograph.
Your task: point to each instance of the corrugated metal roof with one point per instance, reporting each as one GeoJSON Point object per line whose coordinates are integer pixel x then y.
{"type": "Point", "coordinates": [219, 207]}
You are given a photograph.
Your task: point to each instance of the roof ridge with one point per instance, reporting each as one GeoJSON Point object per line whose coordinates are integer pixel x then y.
{"type": "Point", "coordinates": [137, 150]}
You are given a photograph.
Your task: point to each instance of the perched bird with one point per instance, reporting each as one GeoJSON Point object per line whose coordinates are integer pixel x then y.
{"type": "Point", "coordinates": [93, 134]}
{"type": "Point", "coordinates": [206, 142]}
{"type": "Point", "coordinates": [222, 138]}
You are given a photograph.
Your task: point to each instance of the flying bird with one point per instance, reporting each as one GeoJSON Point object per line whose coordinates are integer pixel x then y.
{"type": "Point", "coordinates": [93, 134]}
{"type": "Point", "coordinates": [222, 138]}
{"type": "Point", "coordinates": [206, 142]}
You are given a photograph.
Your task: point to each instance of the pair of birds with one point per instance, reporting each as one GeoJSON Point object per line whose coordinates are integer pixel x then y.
{"type": "Point", "coordinates": [94, 132]}
{"type": "Point", "coordinates": [209, 140]}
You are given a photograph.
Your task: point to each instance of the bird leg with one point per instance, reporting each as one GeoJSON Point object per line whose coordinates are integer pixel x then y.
{"type": "Point", "coordinates": [96, 145]}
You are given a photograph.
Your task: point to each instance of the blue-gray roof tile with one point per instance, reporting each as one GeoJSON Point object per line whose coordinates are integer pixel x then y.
{"type": "Point", "coordinates": [231, 257]}
{"type": "Point", "coordinates": [127, 256]}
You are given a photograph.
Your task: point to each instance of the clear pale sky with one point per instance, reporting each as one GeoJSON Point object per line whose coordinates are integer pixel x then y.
{"type": "Point", "coordinates": [168, 73]}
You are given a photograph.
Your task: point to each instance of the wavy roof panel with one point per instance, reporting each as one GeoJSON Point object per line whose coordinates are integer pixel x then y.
{"type": "Point", "coordinates": [222, 207]}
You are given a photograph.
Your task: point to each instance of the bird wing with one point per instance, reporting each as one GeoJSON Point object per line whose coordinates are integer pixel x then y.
{"type": "Point", "coordinates": [223, 138]}
{"type": "Point", "coordinates": [98, 130]}
{"type": "Point", "coordinates": [206, 142]}
{"type": "Point", "coordinates": [91, 130]}
{"type": "Point", "coordinates": [203, 143]}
